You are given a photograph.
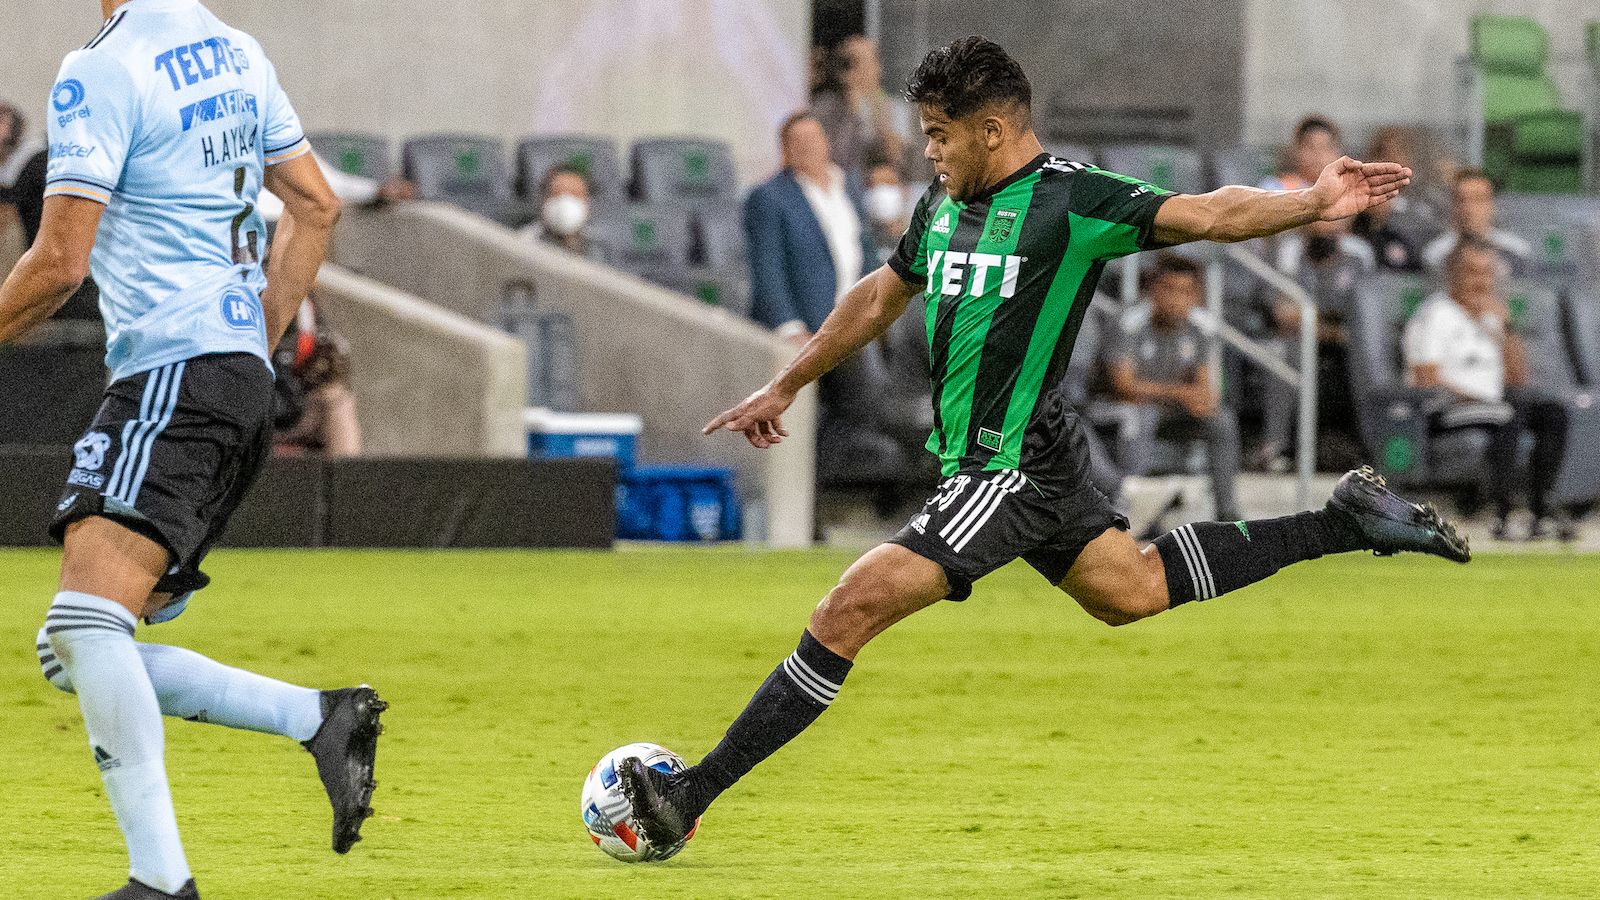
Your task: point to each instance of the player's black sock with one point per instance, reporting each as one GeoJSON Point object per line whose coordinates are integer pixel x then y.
{"type": "Point", "coordinates": [791, 698]}
{"type": "Point", "coordinates": [1210, 559]}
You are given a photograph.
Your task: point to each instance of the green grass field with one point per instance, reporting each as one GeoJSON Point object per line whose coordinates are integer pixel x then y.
{"type": "Point", "coordinates": [1354, 728]}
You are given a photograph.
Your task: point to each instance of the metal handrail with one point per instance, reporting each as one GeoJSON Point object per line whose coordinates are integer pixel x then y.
{"type": "Point", "coordinates": [1302, 378]}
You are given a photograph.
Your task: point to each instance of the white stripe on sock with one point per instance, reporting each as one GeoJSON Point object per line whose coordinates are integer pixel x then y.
{"type": "Point", "coordinates": [800, 682]}
{"type": "Point", "coordinates": [1188, 562]}
{"type": "Point", "coordinates": [1205, 564]}
{"type": "Point", "coordinates": [831, 687]}
{"type": "Point", "coordinates": [1206, 589]}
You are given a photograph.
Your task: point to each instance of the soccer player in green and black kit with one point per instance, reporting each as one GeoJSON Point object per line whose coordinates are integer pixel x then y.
{"type": "Point", "coordinates": [1008, 245]}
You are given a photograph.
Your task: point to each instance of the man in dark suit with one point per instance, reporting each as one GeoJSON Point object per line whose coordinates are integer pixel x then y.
{"type": "Point", "coordinates": [808, 245]}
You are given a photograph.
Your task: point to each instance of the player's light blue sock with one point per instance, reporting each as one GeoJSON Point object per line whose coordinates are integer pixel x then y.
{"type": "Point", "coordinates": [191, 686]}
{"type": "Point", "coordinates": [92, 637]}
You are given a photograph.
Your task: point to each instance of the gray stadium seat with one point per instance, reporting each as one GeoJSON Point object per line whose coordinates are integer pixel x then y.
{"type": "Point", "coordinates": [1248, 165]}
{"type": "Point", "coordinates": [649, 241]}
{"type": "Point", "coordinates": [1583, 320]}
{"type": "Point", "coordinates": [1564, 232]}
{"type": "Point", "coordinates": [1163, 165]}
{"type": "Point", "coordinates": [595, 156]}
{"type": "Point", "coordinates": [684, 170]}
{"type": "Point", "coordinates": [467, 170]}
{"type": "Point", "coordinates": [353, 153]}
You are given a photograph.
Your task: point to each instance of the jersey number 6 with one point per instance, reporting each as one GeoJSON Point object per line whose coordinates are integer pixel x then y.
{"type": "Point", "coordinates": [245, 252]}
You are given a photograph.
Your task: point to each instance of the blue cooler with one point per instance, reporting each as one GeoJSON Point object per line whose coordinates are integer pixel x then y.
{"type": "Point", "coordinates": [554, 434]}
{"type": "Point", "coordinates": [677, 503]}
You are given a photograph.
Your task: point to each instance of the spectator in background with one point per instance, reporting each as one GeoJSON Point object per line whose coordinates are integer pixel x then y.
{"type": "Point", "coordinates": [888, 211]}
{"type": "Point", "coordinates": [809, 244]}
{"type": "Point", "coordinates": [314, 406]}
{"type": "Point", "coordinates": [15, 149]}
{"type": "Point", "coordinates": [28, 195]}
{"type": "Point", "coordinates": [855, 111]}
{"type": "Point", "coordinates": [1316, 144]}
{"type": "Point", "coordinates": [1159, 375]}
{"type": "Point", "coordinates": [1459, 341]}
{"type": "Point", "coordinates": [564, 196]}
{"type": "Point", "coordinates": [807, 239]}
{"type": "Point", "coordinates": [1328, 262]}
{"type": "Point", "coordinates": [1472, 214]}
{"type": "Point", "coordinates": [1386, 228]}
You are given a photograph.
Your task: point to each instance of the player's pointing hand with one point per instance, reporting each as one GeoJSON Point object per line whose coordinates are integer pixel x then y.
{"type": "Point", "coordinates": [1348, 186]}
{"type": "Point", "coordinates": [757, 418]}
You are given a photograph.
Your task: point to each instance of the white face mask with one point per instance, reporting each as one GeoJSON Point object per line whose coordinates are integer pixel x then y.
{"type": "Point", "coordinates": [885, 203]}
{"type": "Point", "coordinates": [565, 214]}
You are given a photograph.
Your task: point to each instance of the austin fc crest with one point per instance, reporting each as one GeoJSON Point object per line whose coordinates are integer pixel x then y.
{"type": "Point", "coordinates": [1000, 226]}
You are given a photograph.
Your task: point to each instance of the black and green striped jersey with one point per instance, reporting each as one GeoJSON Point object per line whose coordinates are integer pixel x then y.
{"type": "Point", "coordinates": [1009, 275]}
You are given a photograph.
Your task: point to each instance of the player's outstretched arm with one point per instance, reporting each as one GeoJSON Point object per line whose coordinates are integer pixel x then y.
{"type": "Point", "coordinates": [1346, 187]}
{"type": "Point", "coordinates": [53, 268]}
{"type": "Point", "coordinates": [864, 313]}
{"type": "Point", "coordinates": [310, 210]}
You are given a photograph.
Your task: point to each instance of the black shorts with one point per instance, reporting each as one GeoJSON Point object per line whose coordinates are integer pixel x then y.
{"type": "Point", "coordinates": [1045, 511]}
{"type": "Point", "coordinates": [171, 453]}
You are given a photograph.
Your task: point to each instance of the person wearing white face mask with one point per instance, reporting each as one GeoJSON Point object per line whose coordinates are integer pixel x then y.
{"type": "Point", "coordinates": [564, 213]}
{"type": "Point", "coordinates": [888, 213]}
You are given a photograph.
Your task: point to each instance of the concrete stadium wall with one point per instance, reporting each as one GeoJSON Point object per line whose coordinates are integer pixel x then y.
{"type": "Point", "coordinates": [628, 68]}
{"type": "Point", "coordinates": [428, 382]}
{"type": "Point", "coordinates": [641, 348]}
{"type": "Point", "coordinates": [1368, 63]}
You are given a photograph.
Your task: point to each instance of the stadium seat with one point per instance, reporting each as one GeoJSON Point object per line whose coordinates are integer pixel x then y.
{"type": "Point", "coordinates": [1531, 143]}
{"type": "Point", "coordinates": [1583, 329]}
{"type": "Point", "coordinates": [1393, 417]}
{"type": "Point", "coordinates": [1247, 165]}
{"type": "Point", "coordinates": [1163, 165]}
{"type": "Point", "coordinates": [353, 153]}
{"type": "Point", "coordinates": [649, 241]}
{"type": "Point", "coordinates": [466, 170]}
{"type": "Point", "coordinates": [595, 156]}
{"type": "Point", "coordinates": [1565, 232]}
{"type": "Point", "coordinates": [684, 170]}
{"type": "Point", "coordinates": [51, 385]}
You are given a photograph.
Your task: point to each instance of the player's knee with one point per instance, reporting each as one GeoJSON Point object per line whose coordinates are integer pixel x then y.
{"type": "Point", "coordinates": [855, 610]}
{"type": "Point", "coordinates": [50, 665]}
{"type": "Point", "coordinates": [1139, 596]}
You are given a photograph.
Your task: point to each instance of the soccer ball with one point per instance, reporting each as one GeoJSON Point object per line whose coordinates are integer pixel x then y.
{"type": "Point", "coordinates": [608, 815]}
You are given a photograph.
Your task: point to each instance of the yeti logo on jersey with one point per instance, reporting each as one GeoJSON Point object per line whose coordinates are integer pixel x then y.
{"type": "Point", "coordinates": [90, 452]}
{"type": "Point", "coordinates": [972, 273]}
{"type": "Point", "coordinates": [240, 309]}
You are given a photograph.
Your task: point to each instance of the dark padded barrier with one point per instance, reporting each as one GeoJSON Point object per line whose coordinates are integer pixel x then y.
{"type": "Point", "coordinates": [31, 481]}
{"type": "Point", "coordinates": [285, 508]}
{"type": "Point", "coordinates": [51, 387]}
{"type": "Point", "coordinates": [471, 503]}
{"type": "Point", "coordinates": [367, 502]}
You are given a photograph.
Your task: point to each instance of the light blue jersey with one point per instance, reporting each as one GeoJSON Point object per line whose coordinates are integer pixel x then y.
{"type": "Point", "coordinates": [170, 117]}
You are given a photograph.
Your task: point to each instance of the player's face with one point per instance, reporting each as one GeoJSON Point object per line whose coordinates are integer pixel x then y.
{"type": "Point", "coordinates": [958, 148]}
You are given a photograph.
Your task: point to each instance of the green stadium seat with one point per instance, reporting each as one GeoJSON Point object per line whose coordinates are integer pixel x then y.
{"type": "Point", "coordinates": [354, 153]}
{"type": "Point", "coordinates": [684, 171]}
{"type": "Point", "coordinates": [1163, 165]}
{"type": "Point", "coordinates": [1531, 143]}
{"type": "Point", "coordinates": [595, 156]}
{"type": "Point", "coordinates": [1248, 165]}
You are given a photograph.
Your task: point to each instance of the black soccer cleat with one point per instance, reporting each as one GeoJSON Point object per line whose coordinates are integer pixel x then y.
{"type": "Point", "coordinates": [659, 815]}
{"type": "Point", "coordinates": [138, 890]}
{"type": "Point", "coordinates": [1390, 523]}
{"type": "Point", "coordinates": [346, 749]}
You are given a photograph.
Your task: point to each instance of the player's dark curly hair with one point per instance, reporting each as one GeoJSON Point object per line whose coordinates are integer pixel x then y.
{"type": "Point", "coordinates": [969, 75]}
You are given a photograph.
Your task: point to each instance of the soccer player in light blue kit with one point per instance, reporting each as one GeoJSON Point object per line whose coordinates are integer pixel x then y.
{"type": "Point", "coordinates": [163, 129]}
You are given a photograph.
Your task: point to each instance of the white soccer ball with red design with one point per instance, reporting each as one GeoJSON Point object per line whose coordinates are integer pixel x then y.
{"type": "Point", "coordinates": [607, 813]}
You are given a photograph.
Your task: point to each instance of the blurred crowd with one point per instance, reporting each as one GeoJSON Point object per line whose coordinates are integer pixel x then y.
{"type": "Point", "coordinates": [1146, 372]}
